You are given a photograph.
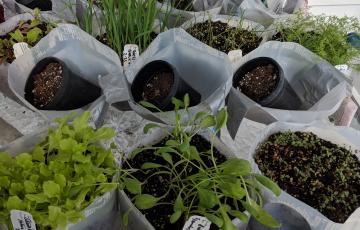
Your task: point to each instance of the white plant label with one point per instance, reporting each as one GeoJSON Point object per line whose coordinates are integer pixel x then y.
{"type": "Point", "coordinates": [235, 55]}
{"type": "Point", "coordinates": [20, 48]}
{"type": "Point", "coordinates": [197, 223]}
{"type": "Point", "coordinates": [342, 67]}
{"type": "Point", "coordinates": [130, 54]}
{"type": "Point", "coordinates": [22, 220]}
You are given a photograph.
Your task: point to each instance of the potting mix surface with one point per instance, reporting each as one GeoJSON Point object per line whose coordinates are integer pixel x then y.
{"type": "Point", "coordinates": [158, 185]}
{"type": "Point", "coordinates": [46, 84]}
{"type": "Point", "coordinates": [317, 172]}
{"type": "Point", "coordinates": [225, 38]}
{"type": "Point", "coordinates": [259, 82]}
{"type": "Point", "coordinates": [158, 86]}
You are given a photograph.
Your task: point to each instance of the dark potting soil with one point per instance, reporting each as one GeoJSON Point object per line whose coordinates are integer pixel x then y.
{"type": "Point", "coordinates": [158, 86]}
{"type": "Point", "coordinates": [181, 4]}
{"type": "Point", "coordinates": [259, 82]}
{"type": "Point", "coordinates": [46, 84]}
{"type": "Point", "coordinates": [318, 172]}
{"type": "Point", "coordinates": [159, 216]}
{"type": "Point", "coordinates": [225, 38]}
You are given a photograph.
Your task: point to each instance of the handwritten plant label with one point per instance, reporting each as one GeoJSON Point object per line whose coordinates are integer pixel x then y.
{"type": "Point", "coordinates": [197, 223]}
{"type": "Point", "coordinates": [20, 48]}
{"type": "Point", "coordinates": [130, 54]}
{"type": "Point", "coordinates": [22, 220]}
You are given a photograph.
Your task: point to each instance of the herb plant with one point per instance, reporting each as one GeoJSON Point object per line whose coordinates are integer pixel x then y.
{"type": "Point", "coordinates": [318, 172]}
{"type": "Point", "coordinates": [195, 178]}
{"type": "Point", "coordinates": [326, 36]}
{"type": "Point", "coordinates": [60, 177]}
{"type": "Point", "coordinates": [30, 32]}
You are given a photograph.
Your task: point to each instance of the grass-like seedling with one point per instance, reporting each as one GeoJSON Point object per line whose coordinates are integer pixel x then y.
{"type": "Point", "coordinates": [129, 22]}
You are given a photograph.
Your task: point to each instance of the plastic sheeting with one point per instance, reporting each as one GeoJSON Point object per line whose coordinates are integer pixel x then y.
{"type": "Point", "coordinates": [195, 62]}
{"type": "Point", "coordinates": [176, 17]}
{"type": "Point", "coordinates": [82, 53]}
{"type": "Point", "coordinates": [256, 10]}
{"type": "Point", "coordinates": [64, 9]}
{"type": "Point", "coordinates": [103, 213]}
{"type": "Point", "coordinates": [320, 87]}
{"type": "Point", "coordinates": [342, 136]}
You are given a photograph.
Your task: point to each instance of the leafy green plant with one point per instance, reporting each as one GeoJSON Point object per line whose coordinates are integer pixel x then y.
{"type": "Point", "coordinates": [196, 178]}
{"type": "Point", "coordinates": [326, 36]}
{"type": "Point", "coordinates": [59, 177]}
{"type": "Point", "coordinates": [30, 32]}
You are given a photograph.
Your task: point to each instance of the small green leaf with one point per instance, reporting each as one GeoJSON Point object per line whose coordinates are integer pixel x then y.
{"type": "Point", "coordinates": [17, 36]}
{"type": "Point", "coordinates": [38, 154]}
{"type": "Point", "coordinates": [150, 126]}
{"type": "Point", "coordinates": [30, 187]}
{"type": "Point", "coordinates": [135, 152]}
{"type": "Point", "coordinates": [228, 225]}
{"type": "Point", "coordinates": [60, 180]}
{"type": "Point", "coordinates": [259, 214]}
{"type": "Point", "coordinates": [233, 189]}
{"type": "Point", "coordinates": [268, 184]}
{"type": "Point", "coordinates": [172, 143]}
{"type": "Point", "coordinates": [104, 133]}
{"type": "Point", "coordinates": [166, 150]}
{"type": "Point", "coordinates": [236, 167]}
{"type": "Point", "coordinates": [149, 105]}
{"type": "Point", "coordinates": [14, 202]}
{"type": "Point", "coordinates": [184, 147]}
{"type": "Point", "coordinates": [167, 157]}
{"type": "Point", "coordinates": [207, 198]}
{"type": "Point", "coordinates": [33, 35]}
{"type": "Point", "coordinates": [145, 201]}
{"type": "Point", "coordinates": [200, 115]}
{"type": "Point", "coordinates": [221, 119]}
{"type": "Point", "coordinates": [24, 160]}
{"type": "Point", "coordinates": [175, 216]}
{"type": "Point", "coordinates": [67, 144]}
{"type": "Point", "coordinates": [81, 122]}
{"type": "Point", "coordinates": [51, 189]}
{"type": "Point", "coordinates": [215, 219]}
{"type": "Point", "coordinates": [132, 185]}
{"type": "Point", "coordinates": [149, 165]}
{"type": "Point", "coordinates": [186, 101]}
{"type": "Point", "coordinates": [177, 103]}
{"type": "Point", "coordinates": [179, 205]}
{"type": "Point", "coordinates": [125, 217]}
{"type": "Point", "coordinates": [244, 218]}
{"type": "Point", "coordinates": [57, 217]}
{"type": "Point", "coordinates": [194, 154]}
{"type": "Point", "coordinates": [208, 121]}
{"type": "Point", "coordinates": [38, 198]}
{"type": "Point", "coordinates": [4, 182]}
